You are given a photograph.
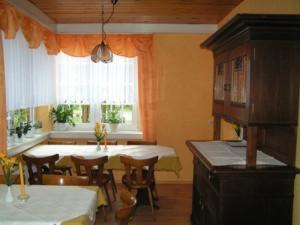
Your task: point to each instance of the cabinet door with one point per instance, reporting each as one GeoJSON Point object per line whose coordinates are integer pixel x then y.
{"type": "Point", "coordinates": [238, 79]}
{"type": "Point", "coordinates": [220, 73]}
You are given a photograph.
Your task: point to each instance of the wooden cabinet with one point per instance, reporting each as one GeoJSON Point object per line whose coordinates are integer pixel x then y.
{"type": "Point", "coordinates": [235, 195]}
{"type": "Point", "coordinates": [256, 73]}
{"type": "Point", "coordinates": [256, 79]}
{"type": "Point", "coordinates": [256, 85]}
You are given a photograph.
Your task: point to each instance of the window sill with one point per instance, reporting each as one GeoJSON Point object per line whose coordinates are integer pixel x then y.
{"type": "Point", "coordinates": [119, 135]}
{"type": "Point", "coordinates": [27, 143]}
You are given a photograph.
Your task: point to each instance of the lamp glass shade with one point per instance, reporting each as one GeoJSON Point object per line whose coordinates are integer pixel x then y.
{"type": "Point", "coordinates": [102, 52]}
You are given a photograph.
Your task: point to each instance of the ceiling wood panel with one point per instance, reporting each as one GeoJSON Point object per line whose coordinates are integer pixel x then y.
{"type": "Point", "coordinates": [138, 11]}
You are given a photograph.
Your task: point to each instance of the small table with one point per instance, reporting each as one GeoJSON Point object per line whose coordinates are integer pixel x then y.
{"type": "Point", "coordinates": [48, 205]}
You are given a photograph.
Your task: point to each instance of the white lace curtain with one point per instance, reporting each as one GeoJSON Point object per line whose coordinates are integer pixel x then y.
{"type": "Point", "coordinates": [80, 81]}
{"type": "Point", "coordinates": [29, 74]}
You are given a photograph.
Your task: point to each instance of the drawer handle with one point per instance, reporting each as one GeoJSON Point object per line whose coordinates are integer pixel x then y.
{"type": "Point", "coordinates": [210, 177]}
{"type": "Point", "coordinates": [201, 204]}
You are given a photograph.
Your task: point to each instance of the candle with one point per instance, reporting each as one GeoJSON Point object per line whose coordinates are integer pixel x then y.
{"type": "Point", "coordinates": [105, 138]}
{"type": "Point", "coordinates": [22, 187]}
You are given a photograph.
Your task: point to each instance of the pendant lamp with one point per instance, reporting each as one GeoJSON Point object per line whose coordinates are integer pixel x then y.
{"type": "Point", "coordinates": [102, 51]}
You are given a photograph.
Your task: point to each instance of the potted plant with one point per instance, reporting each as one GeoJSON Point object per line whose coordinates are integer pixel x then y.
{"type": "Point", "coordinates": [19, 133]}
{"type": "Point", "coordinates": [27, 130]}
{"type": "Point", "coordinates": [62, 116]}
{"type": "Point", "coordinates": [38, 127]}
{"type": "Point", "coordinates": [114, 119]}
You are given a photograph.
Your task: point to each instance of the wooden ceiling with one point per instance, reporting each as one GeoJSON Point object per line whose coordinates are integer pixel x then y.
{"type": "Point", "coordinates": [138, 11]}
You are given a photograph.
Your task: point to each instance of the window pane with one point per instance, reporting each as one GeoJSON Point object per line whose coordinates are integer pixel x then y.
{"type": "Point", "coordinates": [81, 114]}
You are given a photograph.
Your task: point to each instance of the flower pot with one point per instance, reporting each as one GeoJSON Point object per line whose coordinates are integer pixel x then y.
{"type": "Point", "coordinates": [61, 126]}
{"type": "Point", "coordinates": [113, 127]}
{"type": "Point", "coordinates": [38, 130]}
{"type": "Point", "coordinates": [9, 197]}
{"type": "Point", "coordinates": [30, 133]}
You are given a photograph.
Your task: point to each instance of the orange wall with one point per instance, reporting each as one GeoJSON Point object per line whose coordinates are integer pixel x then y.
{"type": "Point", "coordinates": [185, 79]}
{"type": "Point", "coordinates": [264, 7]}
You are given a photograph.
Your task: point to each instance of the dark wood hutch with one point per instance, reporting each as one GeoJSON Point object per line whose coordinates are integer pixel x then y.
{"type": "Point", "coordinates": [256, 85]}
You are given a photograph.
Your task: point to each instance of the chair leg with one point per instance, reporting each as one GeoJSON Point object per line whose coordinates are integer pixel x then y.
{"type": "Point", "coordinates": [154, 191]}
{"type": "Point", "coordinates": [113, 184]}
{"type": "Point", "coordinates": [104, 213]}
{"type": "Point", "coordinates": [70, 171]}
{"type": "Point", "coordinates": [150, 198]}
{"type": "Point", "coordinates": [107, 196]}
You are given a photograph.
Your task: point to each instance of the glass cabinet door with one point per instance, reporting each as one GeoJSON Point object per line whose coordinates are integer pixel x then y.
{"type": "Point", "coordinates": [219, 92]}
{"type": "Point", "coordinates": [239, 73]}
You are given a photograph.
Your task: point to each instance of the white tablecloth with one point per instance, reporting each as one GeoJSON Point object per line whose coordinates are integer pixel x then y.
{"type": "Point", "coordinates": [135, 151]}
{"type": "Point", "coordinates": [47, 205]}
{"type": "Point", "coordinates": [220, 153]}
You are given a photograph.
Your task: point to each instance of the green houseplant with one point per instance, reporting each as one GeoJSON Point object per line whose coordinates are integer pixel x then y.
{"type": "Point", "coordinates": [114, 119]}
{"type": "Point", "coordinates": [61, 116]}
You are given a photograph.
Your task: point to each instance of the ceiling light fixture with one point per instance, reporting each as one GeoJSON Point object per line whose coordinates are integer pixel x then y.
{"type": "Point", "coordinates": [102, 51]}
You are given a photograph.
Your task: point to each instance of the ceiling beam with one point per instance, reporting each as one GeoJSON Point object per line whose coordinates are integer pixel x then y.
{"type": "Point", "coordinates": [32, 11]}
{"type": "Point", "coordinates": [135, 28]}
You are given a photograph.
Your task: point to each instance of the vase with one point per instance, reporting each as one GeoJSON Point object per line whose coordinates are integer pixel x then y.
{"type": "Point", "coordinates": [113, 127]}
{"type": "Point", "coordinates": [98, 148]}
{"type": "Point", "coordinates": [9, 197]}
{"type": "Point", "coordinates": [61, 126]}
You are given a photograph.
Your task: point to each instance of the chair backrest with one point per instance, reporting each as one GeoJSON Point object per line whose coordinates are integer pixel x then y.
{"type": "Point", "coordinates": [65, 180]}
{"type": "Point", "coordinates": [141, 142]}
{"type": "Point", "coordinates": [138, 165]}
{"type": "Point", "coordinates": [39, 163]}
{"type": "Point", "coordinates": [93, 168]}
{"type": "Point", "coordinates": [15, 179]}
{"type": "Point", "coordinates": [109, 142]}
{"type": "Point", "coordinates": [125, 214]}
{"type": "Point", "coordinates": [61, 142]}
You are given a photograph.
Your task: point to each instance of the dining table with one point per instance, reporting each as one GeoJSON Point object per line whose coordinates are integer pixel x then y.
{"type": "Point", "coordinates": [49, 205]}
{"type": "Point", "coordinates": [167, 157]}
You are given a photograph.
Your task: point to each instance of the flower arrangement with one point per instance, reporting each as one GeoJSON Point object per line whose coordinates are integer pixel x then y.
{"type": "Point", "coordinates": [7, 165]}
{"type": "Point", "coordinates": [100, 131]}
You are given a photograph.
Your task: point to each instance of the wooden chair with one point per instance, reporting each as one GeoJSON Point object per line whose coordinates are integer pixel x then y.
{"type": "Point", "coordinates": [44, 165]}
{"type": "Point", "coordinates": [93, 169]}
{"type": "Point", "coordinates": [15, 179]}
{"type": "Point", "coordinates": [64, 169]}
{"type": "Point", "coordinates": [61, 142]}
{"type": "Point", "coordinates": [141, 142]}
{"type": "Point", "coordinates": [65, 180]}
{"type": "Point", "coordinates": [113, 181]}
{"type": "Point", "coordinates": [125, 214]}
{"type": "Point", "coordinates": [137, 177]}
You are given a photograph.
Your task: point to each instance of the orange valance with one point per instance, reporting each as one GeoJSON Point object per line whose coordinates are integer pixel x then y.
{"type": "Point", "coordinates": [11, 20]}
{"type": "Point", "coordinates": [81, 45]}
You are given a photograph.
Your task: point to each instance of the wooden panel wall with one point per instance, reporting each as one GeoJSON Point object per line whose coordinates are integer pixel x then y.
{"type": "Point", "coordinates": [2, 101]}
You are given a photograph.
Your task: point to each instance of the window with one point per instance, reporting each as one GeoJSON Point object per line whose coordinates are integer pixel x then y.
{"type": "Point", "coordinates": [29, 74]}
{"type": "Point", "coordinates": [19, 118]}
{"type": "Point", "coordinates": [96, 88]}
